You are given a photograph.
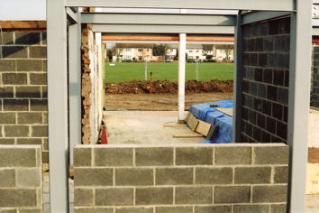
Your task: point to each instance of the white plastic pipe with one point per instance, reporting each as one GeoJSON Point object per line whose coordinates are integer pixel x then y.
{"type": "Point", "coordinates": [181, 76]}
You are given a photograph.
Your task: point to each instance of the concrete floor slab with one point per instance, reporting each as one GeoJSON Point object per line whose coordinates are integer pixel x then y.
{"type": "Point", "coordinates": [146, 127]}
{"type": "Point", "coordinates": [313, 128]}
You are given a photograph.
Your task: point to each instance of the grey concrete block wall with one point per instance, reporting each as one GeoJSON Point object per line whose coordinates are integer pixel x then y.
{"type": "Point", "coordinates": [265, 82]}
{"type": "Point", "coordinates": [20, 178]}
{"type": "Point", "coordinates": [315, 78]}
{"type": "Point", "coordinates": [181, 179]}
{"type": "Point", "coordinates": [23, 88]}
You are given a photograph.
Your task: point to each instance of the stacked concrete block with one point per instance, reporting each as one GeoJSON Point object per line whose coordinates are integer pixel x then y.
{"type": "Point", "coordinates": [23, 88]}
{"type": "Point", "coordinates": [315, 78]}
{"type": "Point", "coordinates": [20, 178]}
{"type": "Point", "coordinates": [181, 179]}
{"type": "Point", "coordinates": [265, 81]}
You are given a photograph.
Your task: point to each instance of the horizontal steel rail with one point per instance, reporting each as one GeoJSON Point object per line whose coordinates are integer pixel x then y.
{"type": "Point", "coordinates": [262, 5]}
{"type": "Point", "coordinates": [158, 19]}
{"type": "Point", "coordinates": [163, 29]}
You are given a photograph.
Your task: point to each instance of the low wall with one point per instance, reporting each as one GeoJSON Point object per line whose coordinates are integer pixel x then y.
{"type": "Point", "coordinates": [181, 179]}
{"type": "Point", "coordinates": [20, 178]}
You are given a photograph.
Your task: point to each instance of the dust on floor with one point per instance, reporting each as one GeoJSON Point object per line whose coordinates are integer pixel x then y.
{"type": "Point", "coordinates": [160, 102]}
{"type": "Point", "coordinates": [147, 127]}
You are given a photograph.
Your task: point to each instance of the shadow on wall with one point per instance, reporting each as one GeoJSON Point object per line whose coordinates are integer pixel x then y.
{"type": "Point", "coordinates": [15, 46]}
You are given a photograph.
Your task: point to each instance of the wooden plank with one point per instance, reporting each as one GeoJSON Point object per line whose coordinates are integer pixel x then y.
{"type": "Point", "coordinates": [188, 116]}
{"type": "Point", "coordinates": [227, 111]}
{"type": "Point", "coordinates": [192, 122]}
{"type": "Point", "coordinates": [174, 125]}
{"type": "Point", "coordinates": [23, 24]}
{"type": "Point", "coordinates": [203, 128]}
{"type": "Point", "coordinates": [313, 155]}
{"type": "Point", "coordinates": [195, 135]}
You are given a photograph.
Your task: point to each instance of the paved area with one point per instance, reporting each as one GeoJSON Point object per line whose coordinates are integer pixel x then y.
{"type": "Point", "coordinates": [146, 127]}
{"type": "Point", "coordinates": [312, 204]}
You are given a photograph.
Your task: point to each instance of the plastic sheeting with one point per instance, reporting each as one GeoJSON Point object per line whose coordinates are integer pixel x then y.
{"type": "Point", "coordinates": [207, 112]}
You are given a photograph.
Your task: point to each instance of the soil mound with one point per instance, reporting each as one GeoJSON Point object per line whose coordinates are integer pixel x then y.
{"type": "Point", "coordinates": [158, 87]}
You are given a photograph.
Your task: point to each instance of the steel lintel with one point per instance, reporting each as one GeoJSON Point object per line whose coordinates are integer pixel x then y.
{"type": "Point", "coordinates": [260, 5]}
{"type": "Point", "coordinates": [158, 19]}
{"type": "Point", "coordinates": [164, 29]}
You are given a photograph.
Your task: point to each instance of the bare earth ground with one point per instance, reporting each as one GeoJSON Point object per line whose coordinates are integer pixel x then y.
{"type": "Point", "coordinates": [158, 102]}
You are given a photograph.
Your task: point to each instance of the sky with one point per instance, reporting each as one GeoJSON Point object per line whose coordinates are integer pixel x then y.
{"type": "Point", "coordinates": [36, 10]}
{"type": "Point", "coordinates": [22, 10]}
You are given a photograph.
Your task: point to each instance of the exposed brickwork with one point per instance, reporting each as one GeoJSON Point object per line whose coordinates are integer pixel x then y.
{"type": "Point", "coordinates": [315, 78]}
{"type": "Point", "coordinates": [169, 182]}
{"type": "Point", "coordinates": [23, 88]}
{"type": "Point", "coordinates": [86, 86]}
{"type": "Point", "coordinates": [20, 178]}
{"type": "Point", "coordinates": [266, 78]}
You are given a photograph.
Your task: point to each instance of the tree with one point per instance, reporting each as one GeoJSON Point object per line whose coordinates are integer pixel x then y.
{"type": "Point", "coordinates": [228, 50]}
{"type": "Point", "coordinates": [110, 54]}
{"type": "Point", "coordinates": [159, 50]}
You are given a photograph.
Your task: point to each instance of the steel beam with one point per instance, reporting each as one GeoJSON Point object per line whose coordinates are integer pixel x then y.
{"type": "Point", "coordinates": [263, 5]}
{"type": "Point", "coordinates": [58, 104]}
{"type": "Point", "coordinates": [75, 86]}
{"type": "Point", "coordinates": [72, 15]}
{"type": "Point", "coordinates": [238, 79]}
{"type": "Point", "coordinates": [158, 19]}
{"type": "Point", "coordinates": [299, 102]}
{"type": "Point", "coordinates": [164, 29]}
{"type": "Point", "coordinates": [253, 17]}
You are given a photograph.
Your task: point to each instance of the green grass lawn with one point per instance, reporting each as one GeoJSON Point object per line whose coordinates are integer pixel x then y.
{"type": "Point", "coordinates": [123, 72]}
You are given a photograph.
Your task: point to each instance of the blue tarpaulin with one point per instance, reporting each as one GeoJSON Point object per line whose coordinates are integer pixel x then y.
{"type": "Point", "coordinates": [207, 112]}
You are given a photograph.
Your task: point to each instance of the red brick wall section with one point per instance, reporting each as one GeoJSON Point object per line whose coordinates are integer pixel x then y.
{"type": "Point", "coordinates": [86, 87]}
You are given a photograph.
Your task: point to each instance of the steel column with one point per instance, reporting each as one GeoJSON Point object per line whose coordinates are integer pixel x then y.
{"type": "Point", "coordinates": [238, 79]}
{"type": "Point", "coordinates": [75, 100]}
{"type": "Point", "coordinates": [299, 101]}
{"type": "Point", "coordinates": [58, 105]}
{"type": "Point", "coordinates": [181, 76]}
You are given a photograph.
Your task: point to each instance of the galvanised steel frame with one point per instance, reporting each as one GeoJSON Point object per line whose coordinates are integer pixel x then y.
{"type": "Point", "coordinates": [64, 92]}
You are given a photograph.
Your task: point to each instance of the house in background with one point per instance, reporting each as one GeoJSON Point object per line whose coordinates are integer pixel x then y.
{"type": "Point", "coordinates": [132, 52]}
